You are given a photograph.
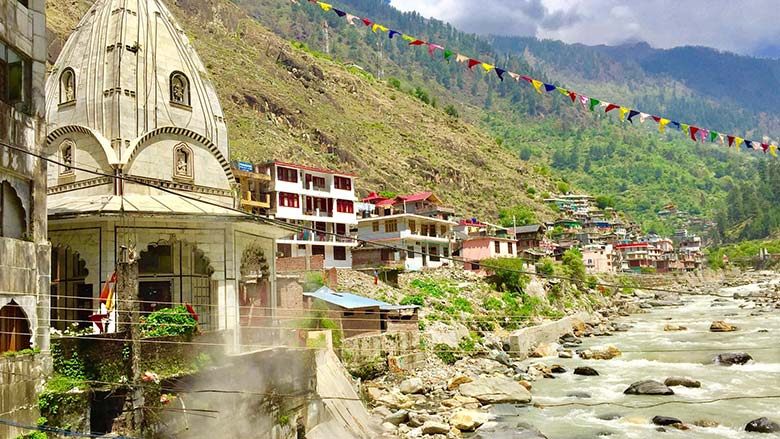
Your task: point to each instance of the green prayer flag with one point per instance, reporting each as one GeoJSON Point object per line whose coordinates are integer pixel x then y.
{"type": "Point", "coordinates": [447, 54]}
{"type": "Point", "coordinates": [713, 136]}
{"type": "Point", "coordinates": [593, 103]}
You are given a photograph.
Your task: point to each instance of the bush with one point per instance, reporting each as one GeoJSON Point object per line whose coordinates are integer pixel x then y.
{"type": "Point", "coordinates": [591, 282]}
{"type": "Point", "coordinates": [507, 274]}
{"type": "Point", "coordinates": [573, 266]}
{"type": "Point", "coordinates": [492, 304]}
{"type": "Point", "coordinates": [413, 299]}
{"type": "Point", "coordinates": [394, 82]}
{"type": "Point", "coordinates": [545, 267]}
{"type": "Point", "coordinates": [312, 281]}
{"type": "Point", "coordinates": [169, 321]}
{"type": "Point", "coordinates": [33, 435]}
{"type": "Point", "coordinates": [452, 111]}
{"type": "Point", "coordinates": [445, 353]}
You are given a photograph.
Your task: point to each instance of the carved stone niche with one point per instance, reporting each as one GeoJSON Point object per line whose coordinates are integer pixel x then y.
{"type": "Point", "coordinates": [183, 163]}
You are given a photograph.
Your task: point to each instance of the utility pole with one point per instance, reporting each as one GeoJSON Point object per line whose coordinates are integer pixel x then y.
{"type": "Point", "coordinates": [327, 36]}
{"type": "Point", "coordinates": [129, 319]}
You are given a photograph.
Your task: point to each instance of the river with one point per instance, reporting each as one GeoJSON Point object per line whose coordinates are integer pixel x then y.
{"type": "Point", "coordinates": [649, 352]}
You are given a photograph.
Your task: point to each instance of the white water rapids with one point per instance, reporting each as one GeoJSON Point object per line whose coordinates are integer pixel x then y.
{"type": "Point", "coordinates": [651, 353]}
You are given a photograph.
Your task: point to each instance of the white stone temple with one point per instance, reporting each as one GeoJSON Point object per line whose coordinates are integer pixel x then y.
{"type": "Point", "coordinates": [128, 96]}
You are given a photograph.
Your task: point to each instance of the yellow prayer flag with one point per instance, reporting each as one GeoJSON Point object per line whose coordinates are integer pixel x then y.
{"type": "Point", "coordinates": [738, 141]}
{"type": "Point", "coordinates": [563, 91]}
{"type": "Point", "coordinates": [663, 123]}
{"type": "Point", "coordinates": [773, 150]}
{"type": "Point", "coordinates": [408, 38]}
{"type": "Point", "coordinates": [325, 6]}
{"type": "Point", "coordinates": [623, 112]}
{"type": "Point", "coordinates": [537, 85]}
{"type": "Point", "coordinates": [378, 26]}
{"type": "Point", "coordinates": [684, 127]}
{"type": "Point", "coordinates": [487, 67]}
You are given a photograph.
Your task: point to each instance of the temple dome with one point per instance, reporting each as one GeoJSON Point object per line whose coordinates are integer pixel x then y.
{"type": "Point", "coordinates": [129, 94]}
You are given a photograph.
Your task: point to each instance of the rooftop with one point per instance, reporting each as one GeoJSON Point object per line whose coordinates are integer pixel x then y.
{"type": "Point", "coordinates": [311, 168]}
{"type": "Point", "coordinates": [353, 301]}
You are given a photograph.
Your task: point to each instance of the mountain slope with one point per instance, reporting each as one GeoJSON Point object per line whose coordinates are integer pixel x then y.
{"type": "Point", "coordinates": [283, 103]}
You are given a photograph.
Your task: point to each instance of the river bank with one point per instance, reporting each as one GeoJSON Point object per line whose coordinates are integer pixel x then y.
{"type": "Point", "coordinates": [501, 396]}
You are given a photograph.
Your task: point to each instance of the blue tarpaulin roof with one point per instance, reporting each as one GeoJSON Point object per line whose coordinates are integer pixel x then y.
{"type": "Point", "coordinates": [353, 301]}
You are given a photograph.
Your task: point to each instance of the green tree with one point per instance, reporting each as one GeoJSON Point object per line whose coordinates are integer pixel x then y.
{"type": "Point", "coordinates": [545, 267]}
{"type": "Point", "coordinates": [507, 274]}
{"type": "Point", "coordinates": [573, 265]}
{"type": "Point", "coordinates": [604, 201]}
{"type": "Point", "coordinates": [519, 215]}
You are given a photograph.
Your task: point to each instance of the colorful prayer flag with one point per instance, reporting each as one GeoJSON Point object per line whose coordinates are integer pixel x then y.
{"type": "Point", "coordinates": [393, 33]}
{"type": "Point", "coordinates": [631, 115]}
{"type": "Point", "coordinates": [500, 73]}
{"type": "Point", "coordinates": [432, 48]}
{"type": "Point", "coordinates": [623, 111]}
{"type": "Point", "coordinates": [340, 13]}
{"type": "Point", "coordinates": [549, 87]}
{"type": "Point", "coordinates": [593, 102]}
{"type": "Point", "coordinates": [473, 62]}
{"type": "Point", "coordinates": [693, 130]}
{"type": "Point", "coordinates": [487, 67]}
{"type": "Point", "coordinates": [611, 107]}
{"type": "Point", "coordinates": [662, 123]}
{"type": "Point", "coordinates": [537, 85]}
{"type": "Point", "coordinates": [325, 6]}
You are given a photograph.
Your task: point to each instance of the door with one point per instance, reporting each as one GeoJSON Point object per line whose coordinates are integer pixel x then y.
{"type": "Point", "coordinates": [154, 295]}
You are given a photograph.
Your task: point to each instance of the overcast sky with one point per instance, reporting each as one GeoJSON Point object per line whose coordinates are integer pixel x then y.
{"type": "Point", "coordinates": [742, 26]}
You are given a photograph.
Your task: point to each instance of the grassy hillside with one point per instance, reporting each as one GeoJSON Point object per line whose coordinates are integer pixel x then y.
{"type": "Point", "coordinates": [284, 102]}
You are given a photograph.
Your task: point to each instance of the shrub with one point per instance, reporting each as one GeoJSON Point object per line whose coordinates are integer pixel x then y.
{"type": "Point", "coordinates": [591, 282]}
{"type": "Point", "coordinates": [545, 267]}
{"type": "Point", "coordinates": [33, 435]}
{"type": "Point", "coordinates": [573, 266]}
{"type": "Point", "coordinates": [452, 111]}
{"type": "Point", "coordinates": [445, 353]}
{"type": "Point", "coordinates": [491, 304]}
{"type": "Point", "coordinates": [507, 274]}
{"type": "Point", "coordinates": [413, 299]}
{"type": "Point", "coordinates": [169, 321]}
{"type": "Point", "coordinates": [312, 281]}
{"type": "Point", "coordinates": [394, 82]}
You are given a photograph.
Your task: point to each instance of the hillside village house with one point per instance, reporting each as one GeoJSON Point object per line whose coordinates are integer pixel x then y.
{"type": "Point", "coordinates": [415, 229]}
{"type": "Point", "coordinates": [130, 102]}
{"type": "Point", "coordinates": [479, 248]}
{"type": "Point", "coordinates": [528, 236]}
{"type": "Point", "coordinates": [598, 258]}
{"type": "Point", "coordinates": [322, 203]}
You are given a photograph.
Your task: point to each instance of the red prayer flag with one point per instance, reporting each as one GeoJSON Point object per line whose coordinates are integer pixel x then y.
{"type": "Point", "coordinates": [106, 291]}
{"type": "Point", "coordinates": [473, 62]}
{"type": "Point", "coordinates": [731, 140]}
{"type": "Point", "coordinates": [656, 118]}
{"type": "Point", "coordinates": [573, 96]}
{"type": "Point", "coordinates": [191, 310]}
{"type": "Point", "coordinates": [527, 79]}
{"type": "Point", "coordinates": [692, 130]}
{"type": "Point", "coordinates": [611, 107]}
{"type": "Point", "coordinates": [417, 43]}
{"type": "Point", "coordinates": [765, 147]}
{"type": "Point", "coordinates": [366, 21]}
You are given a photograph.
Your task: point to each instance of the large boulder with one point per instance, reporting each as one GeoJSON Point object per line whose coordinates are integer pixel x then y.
{"type": "Point", "coordinates": [604, 353]}
{"type": "Point", "coordinates": [437, 333]}
{"type": "Point", "coordinates": [545, 350]}
{"type": "Point", "coordinates": [648, 387]}
{"type": "Point", "coordinates": [682, 381]}
{"type": "Point", "coordinates": [398, 417]}
{"type": "Point", "coordinates": [455, 382]}
{"type": "Point", "coordinates": [494, 430]}
{"type": "Point", "coordinates": [730, 358]}
{"type": "Point", "coordinates": [496, 390]}
{"type": "Point", "coordinates": [411, 386]}
{"type": "Point", "coordinates": [665, 420]}
{"type": "Point", "coordinates": [721, 326]}
{"type": "Point", "coordinates": [469, 420]}
{"type": "Point", "coordinates": [433, 427]}
{"type": "Point", "coordinates": [762, 425]}
{"type": "Point", "coordinates": [586, 371]}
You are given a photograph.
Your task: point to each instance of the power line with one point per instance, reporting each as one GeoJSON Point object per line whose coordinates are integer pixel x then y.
{"type": "Point", "coordinates": [57, 430]}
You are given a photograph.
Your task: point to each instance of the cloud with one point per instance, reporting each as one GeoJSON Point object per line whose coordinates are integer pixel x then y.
{"type": "Point", "coordinates": [739, 26]}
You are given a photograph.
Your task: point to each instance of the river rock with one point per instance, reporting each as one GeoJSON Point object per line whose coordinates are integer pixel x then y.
{"type": "Point", "coordinates": [411, 386]}
{"type": "Point", "coordinates": [721, 326]}
{"type": "Point", "coordinates": [607, 353]}
{"type": "Point", "coordinates": [437, 332]}
{"type": "Point", "coordinates": [665, 420]}
{"type": "Point", "coordinates": [399, 417]}
{"type": "Point", "coordinates": [496, 390]}
{"type": "Point", "coordinates": [671, 327]}
{"type": "Point", "coordinates": [682, 381]}
{"type": "Point", "coordinates": [557, 368]}
{"type": "Point", "coordinates": [648, 387]}
{"type": "Point", "coordinates": [762, 425]}
{"type": "Point", "coordinates": [730, 358]}
{"type": "Point", "coordinates": [545, 350]}
{"type": "Point", "coordinates": [394, 399]}
{"type": "Point", "coordinates": [565, 354]}
{"type": "Point", "coordinates": [460, 401]}
{"type": "Point", "coordinates": [586, 371]}
{"type": "Point", "coordinates": [455, 382]}
{"type": "Point", "coordinates": [494, 430]}
{"type": "Point", "coordinates": [469, 420]}
{"type": "Point", "coordinates": [706, 423]}
{"type": "Point", "coordinates": [433, 427]}
{"type": "Point", "coordinates": [578, 395]}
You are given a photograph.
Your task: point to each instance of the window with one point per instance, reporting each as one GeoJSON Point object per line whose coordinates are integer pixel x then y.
{"type": "Point", "coordinates": [15, 331]}
{"type": "Point", "coordinates": [180, 89]}
{"type": "Point", "coordinates": [340, 253]}
{"type": "Point", "coordinates": [412, 227]}
{"type": "Point", "coordinates": [345, 206]}
{"type": "Point", "coordinates": [67, 86]}
{"type": "Point", "coordinates": [410, 252]}
{"type": "Point", "coordinates": [424, 229]}
{"type": "Point", "coordinates": [182, 161]}
{"type": "Point", "coordinates": [317, 183]}
{"type": "Point", "coordinates": [67, 151]}
{"type": "Point", "coordinates": [509, 248]}
{"type": "Point", "coordinates": [15, 78]}
{"type": "Point", "coordinates": [445, 251]}
{"type": "Point", "coordinates": [434, 253]}
{"type": "Point", "coordinates": [157, 259]}
{"type": "Point", "coordinates": [318, 250]}
{"type": "Point", "coordinates": [287, 174]}
{"type": "Point", "coordinates": [375, 226]}
{"type": "Point", "coordinates": [391, 226]}
{"type": "Point", "coordinates": [343, 183]}
{"type": "Point", "coordinates": [443, 230]}
{"type": "Point", "coordinates": [13, 218]}
{"type": "Point", "coordinates": [498, 247]}
{"type": "Point", "coordinates": [287, 199]}
{"type": "Point", "coordinates": [387, 254]}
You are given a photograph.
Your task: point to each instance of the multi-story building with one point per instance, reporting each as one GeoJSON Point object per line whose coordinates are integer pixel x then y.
{"type": "Point", "coordinates": [322, 202]}
{"type": "Point", "coordinates": [252, 181]}
{"type": "Point", "coordinates": [598, 258]}
{"type": "Point", "coordinates": [24, 249]}
{"type": "Point", "coordinates": [479, 248]}
{"type": "Point", "coordinates": [414, 231]}
{"type": "Point", "coordinates": [638, 255]}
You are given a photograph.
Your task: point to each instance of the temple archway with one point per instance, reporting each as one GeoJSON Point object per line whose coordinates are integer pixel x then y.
{"type": "Point", "coordinates": [15, 334]}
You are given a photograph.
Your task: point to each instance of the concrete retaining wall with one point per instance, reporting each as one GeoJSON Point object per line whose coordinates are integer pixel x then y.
{"type": "Point", "coordinates": [21, 378]}
{"type": "Point", "coordinates": [522, 341]}
{"type": "Point", "coordinates": [375, 350]}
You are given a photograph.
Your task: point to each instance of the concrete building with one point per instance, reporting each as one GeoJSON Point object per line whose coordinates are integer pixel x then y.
{"type": "Point", "coordinates": [24, 250]}
{"type": "Point", "coordinates": [479, 248]}
{"type": "Point", "coordinates": [320, 201]}
{"type": "Point", "coordinates": [599, 258]}
{"type": "Point", "coordinates": [129, 97]}
{"type": "Point", "coordinates": [414, 232]}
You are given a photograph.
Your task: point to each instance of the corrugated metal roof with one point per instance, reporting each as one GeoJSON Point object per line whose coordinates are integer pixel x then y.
{"type": "Point", "coordinates": [168, 204]}
{"type": "Point", "coordinates": [353, 301]}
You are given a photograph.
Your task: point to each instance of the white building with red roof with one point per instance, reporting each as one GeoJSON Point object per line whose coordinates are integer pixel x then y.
{"type": "Point", "coordinates": [410, 231]}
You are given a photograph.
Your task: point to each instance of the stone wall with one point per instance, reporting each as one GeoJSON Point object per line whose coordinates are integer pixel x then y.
{"type": "Point", "coordinates": [298, 263]}
{"type": "Point", "coordinates": [522, 341]}
{"type": "Point", "coordinates": [367, 354]}
{"type": "Point", "coordinates": [21, 378]}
